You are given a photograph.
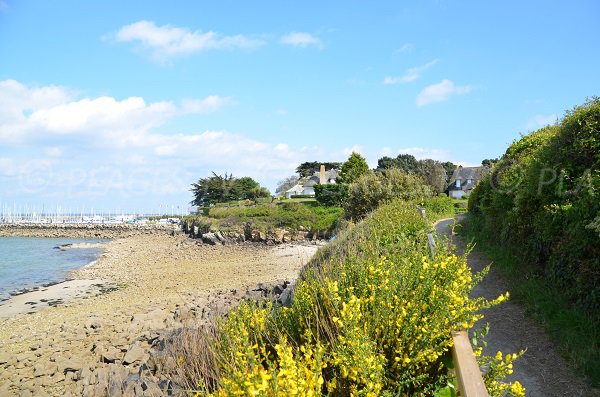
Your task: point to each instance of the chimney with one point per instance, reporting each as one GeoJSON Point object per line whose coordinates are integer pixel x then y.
{"type": "Point", "coordinates": [322, 180]}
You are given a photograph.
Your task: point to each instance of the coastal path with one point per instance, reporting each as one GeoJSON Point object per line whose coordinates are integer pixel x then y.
{"type": "Point", "coordinates": [542, 370]}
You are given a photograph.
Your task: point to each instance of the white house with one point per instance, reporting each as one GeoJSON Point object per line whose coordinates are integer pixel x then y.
{"type": "Point", "coordinates": [307, 186]}
{"type": "Point", "coordinates": [464, 179]}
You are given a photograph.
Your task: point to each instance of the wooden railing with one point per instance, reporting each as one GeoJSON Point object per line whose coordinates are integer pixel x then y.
{"type": "Point", "coordinates": [470, 381]}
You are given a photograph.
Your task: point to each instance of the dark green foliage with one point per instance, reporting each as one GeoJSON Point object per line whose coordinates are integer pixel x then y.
{"type": "Point", "coordinates": [332, 194]}
{"type": "Point", "coordinates": [404, 162]}
{"type": "Point", "coordinates": [489, 162]}
{"type": "Point", "coordinates": [353, 168]}
{"type": "Point", "coordinates": [449, 167]}
{"type": "Point", "coordinates": [308, 168]}
{"type": "Point", "coordinates": [218, 188]}
{"type": "Point", "coordinates": [376, 188]}
{"type": "Point", "coordinates": [541, 198]}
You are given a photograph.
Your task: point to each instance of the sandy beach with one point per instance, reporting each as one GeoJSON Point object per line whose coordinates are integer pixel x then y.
{"type": "Point", "coordinates": [79, 336]}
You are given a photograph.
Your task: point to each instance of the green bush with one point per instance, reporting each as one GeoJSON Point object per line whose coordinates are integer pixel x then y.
{"type": "Point", "coordinates": [333, 195]}
{"type": "Point", "coordinates": [541, 202]}
{"type": "Point", "coordinates": [541, 197]}
{"type": "Point", "coordinates": [266, 217]}
{"type": "Point", "coordinates": [375, 188]}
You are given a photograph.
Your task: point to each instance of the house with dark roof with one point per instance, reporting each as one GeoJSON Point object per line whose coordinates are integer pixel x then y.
{"type": "Point", "coordinates": [306, 187]}
{"type": "Point", "coordinates": [464, 179]}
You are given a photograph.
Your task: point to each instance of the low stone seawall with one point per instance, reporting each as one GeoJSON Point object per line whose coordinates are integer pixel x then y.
{"type": "Point", "coordinates": [248, 233]}
{"type": "Point", "coordinates": [81, 230]}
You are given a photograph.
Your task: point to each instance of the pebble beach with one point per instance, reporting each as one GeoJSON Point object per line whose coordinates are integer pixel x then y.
{"type": "Point", "coordinates": [98, 337]}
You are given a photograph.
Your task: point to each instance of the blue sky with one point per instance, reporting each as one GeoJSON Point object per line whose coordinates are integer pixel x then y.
{"type": "Point", "coordinates": [121, 105]}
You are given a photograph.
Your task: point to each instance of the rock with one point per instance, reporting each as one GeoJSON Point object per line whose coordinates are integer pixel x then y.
{"type": "Point", "coordinates": [5, 358]}
{"type": "Point", "coordinates": [54, 379]}
{"type": "Point", "coordinates": [102, 375]}
{"type": "Point", "coordinates": [26, 393]}
{"type": "Point", "coordinates": [210, 238]}
{"type": "Point", "coordinates": [44, 369]}
{"type": "Point", "coordinates": [72, 364]}
{"type": "Point", "coordinates": [87, 377]}
{"type": "Point", "coordinates": [111, 355]}
{"type": "Point", "coordinates": [24, 357]}
{"type": "Point", "coordinates": [135, 353]}
{"type": "Point", "coordinates": [93, 323]}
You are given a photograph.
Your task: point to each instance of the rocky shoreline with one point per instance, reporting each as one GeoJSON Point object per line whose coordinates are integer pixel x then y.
{"type": "Point", "coordinates": [72, 230]}
{"type": "Point", "coordinates": [112, 344]}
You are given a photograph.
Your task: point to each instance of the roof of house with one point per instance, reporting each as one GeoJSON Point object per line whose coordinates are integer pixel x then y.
{"type": "Point", "coordinates": [468, 177]}
{"type": "Point", "coordinates": [315, 179]}
{"type": "Point", "coordinates": [295, 189]}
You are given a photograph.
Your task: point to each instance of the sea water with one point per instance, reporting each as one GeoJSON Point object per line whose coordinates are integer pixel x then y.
{"type": "Point", "coordinates": [29, 262]}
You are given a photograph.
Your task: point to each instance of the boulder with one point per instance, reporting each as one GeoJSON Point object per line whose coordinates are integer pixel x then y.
{"type": "Point", "coordinates": [135, 353]}
{"type": "Point", "coordinates": [72, 364]}
{"type": "Point", "coordinates": [210, 238]}
{"type": "Point", "coordinates": [111, 355]}
{"type": "Point", "coordinates": [44, 369]}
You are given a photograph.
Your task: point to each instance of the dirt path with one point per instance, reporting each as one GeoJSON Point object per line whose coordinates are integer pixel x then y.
{"type": "Point", "coordinates": [541, 370]}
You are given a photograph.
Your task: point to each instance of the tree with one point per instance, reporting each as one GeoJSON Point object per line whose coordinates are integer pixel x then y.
{"type": "Point", "coordinates": [310, 167]}
{"type": "Point", "coordinates": [386, 163]}
{"type": "Point", "coordinates": [257, 192]}
{"type": "Point", "coordinates": [286, 184]}
{"type": "Point", "coordinates": [242, 187]}
{"type": "Point", "coordinates": [211, 190]}
{"type": "Point", "coordinates": [449, 167]}
{"type": "Point", "coordinates": [218, 188]}
{"type": "Point", "coordinates": [489, 162]}
{"type": "Point", "coordinates": [353, 168]}
{"type": "Point", "coordinates": [374, 188]}
{"type": "Point", "coordinates": [406, 163]}
{"type": "Point", "coordinates": [433, 174]}
{"type": "Point", "coordinates": [331, 195]}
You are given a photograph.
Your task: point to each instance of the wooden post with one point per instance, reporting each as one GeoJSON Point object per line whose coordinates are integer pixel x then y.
{"type": "Point", "coordinates": [470, 381]}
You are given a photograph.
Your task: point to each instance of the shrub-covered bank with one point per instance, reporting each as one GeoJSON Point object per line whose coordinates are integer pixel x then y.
{"type": "Point", "coordinates": [541, 205]}
{"type": "Point", "coordinates": [371, 315]}
{"type": "Point", "coordinates": [261, 222]}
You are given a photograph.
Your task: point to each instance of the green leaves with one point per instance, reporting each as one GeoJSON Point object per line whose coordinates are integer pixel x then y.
{"type": "Point", "coordinates": [222, 188]}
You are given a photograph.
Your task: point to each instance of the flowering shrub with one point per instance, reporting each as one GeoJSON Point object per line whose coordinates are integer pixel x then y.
{"type": "Point", "coordinates": [371, 316]}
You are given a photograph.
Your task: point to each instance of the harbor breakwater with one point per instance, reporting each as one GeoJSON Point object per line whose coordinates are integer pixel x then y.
{"type": "Point", "coordinates": [104, 231]}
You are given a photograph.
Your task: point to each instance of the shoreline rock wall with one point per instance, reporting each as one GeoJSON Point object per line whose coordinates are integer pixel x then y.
{"type": "Point", "coordinates": [249, 233]}
{"type": "Point", "coordinates": [81, 230]}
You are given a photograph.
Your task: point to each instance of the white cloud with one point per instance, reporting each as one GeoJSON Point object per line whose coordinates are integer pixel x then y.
{"type": "Point", "coordinates": [301, 39]}
{"type": "Point", "coordinates": [210, 104]}
{"type": "Point", "coordinates": [440, 92]}
{"type": "Point", "coordinates": [53, 151]}
{"type": "Point", "coordinates": [166, 41]}
{"type": "Point", "coordinates": [114, 145]}
{"type": "Point", "coordinates": [410, 75]}
{"type": "Point", "coordinates": [540, 120]}
{"type": "Point", "coordinates": [29, 113]}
